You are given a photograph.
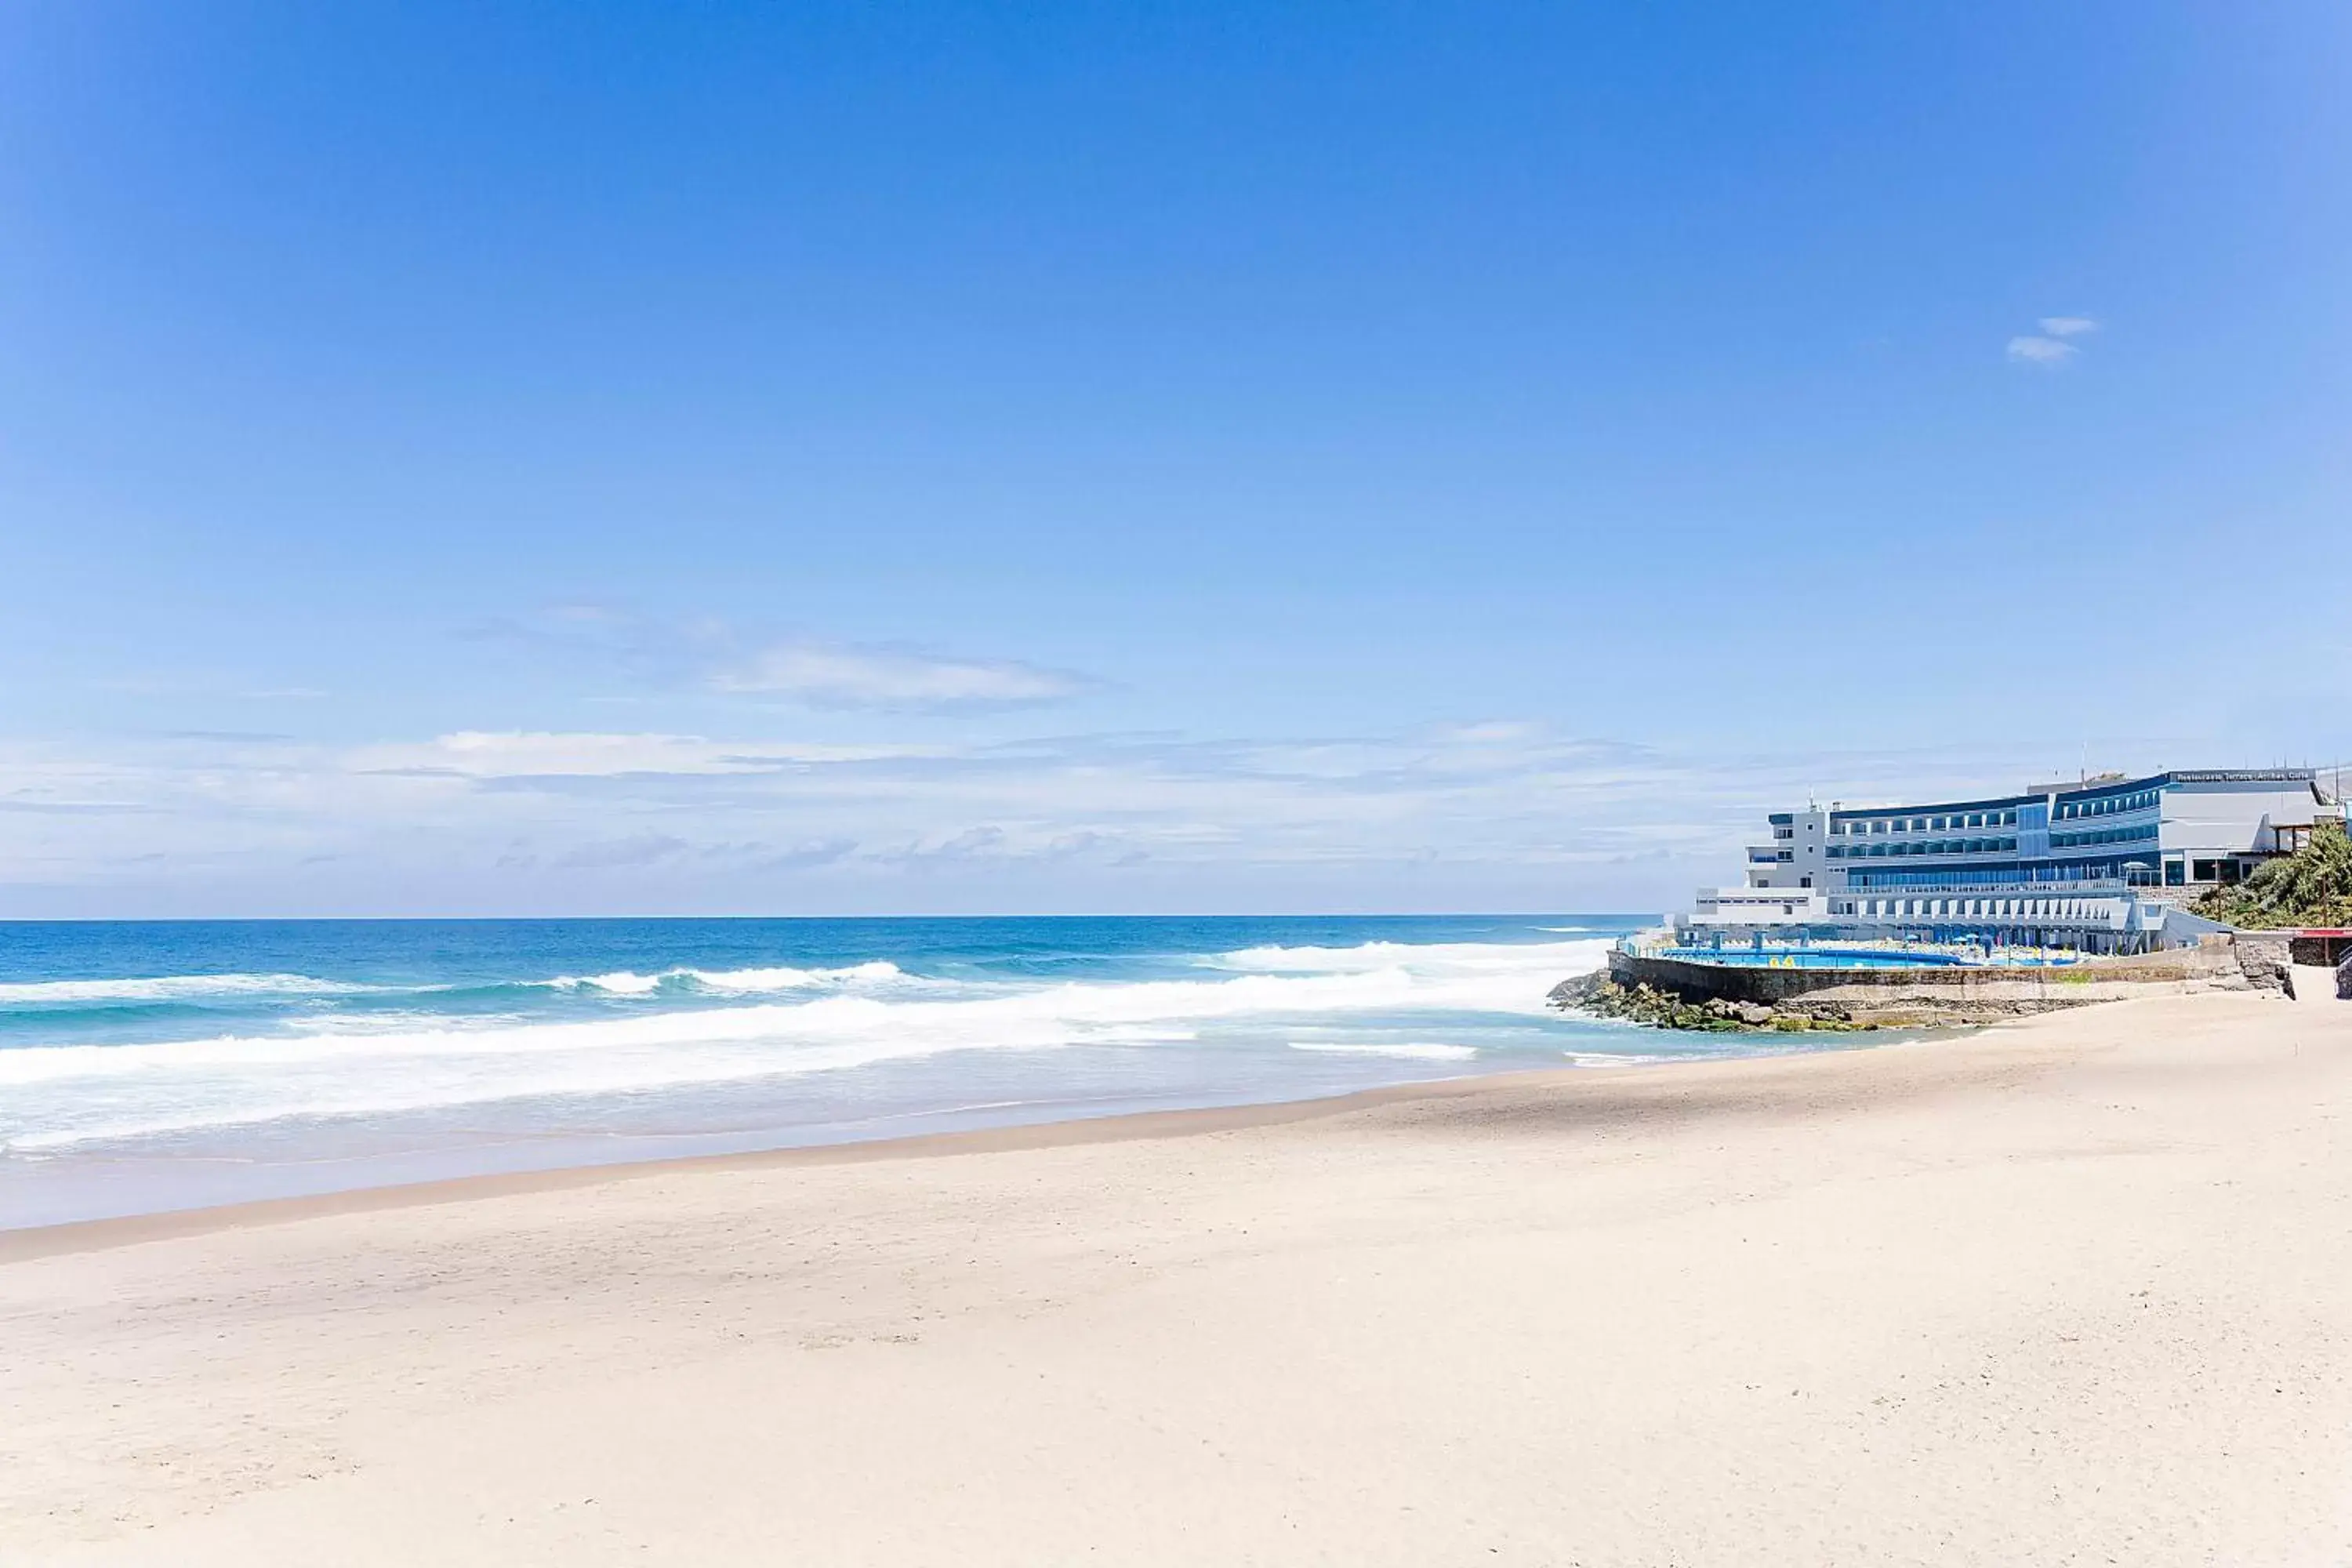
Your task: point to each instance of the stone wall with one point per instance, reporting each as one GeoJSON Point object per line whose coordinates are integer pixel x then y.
{"type": "Point", "coordinates": [1952, 992]}
{"type": "Point", "coordinates": [2324, 951]}
{"type": "Point", "coordinates": [2267, 958]}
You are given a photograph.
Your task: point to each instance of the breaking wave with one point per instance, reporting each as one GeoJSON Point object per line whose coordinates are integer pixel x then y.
{"type": "Point", "coordinates": [56, 1096]}
{"type": "Point", "coordinates": [172, 988]}
{"type": "Point", "coordinates": [725, 982]}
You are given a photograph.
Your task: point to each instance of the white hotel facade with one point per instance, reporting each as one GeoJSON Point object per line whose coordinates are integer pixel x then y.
{"type": "Point", "coordinates": [2101, 865]}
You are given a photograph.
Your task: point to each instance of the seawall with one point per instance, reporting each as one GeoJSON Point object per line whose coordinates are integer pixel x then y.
{"type": "Point", "coordinates": [1953, 992]}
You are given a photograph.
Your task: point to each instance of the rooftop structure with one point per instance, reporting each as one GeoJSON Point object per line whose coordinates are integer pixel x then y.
{"type": "Point", "coordinates": [2097, 865]}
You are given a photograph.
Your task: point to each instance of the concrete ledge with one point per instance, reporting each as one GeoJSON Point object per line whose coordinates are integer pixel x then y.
{"type": "Point", "coordinates": [1988, 990]}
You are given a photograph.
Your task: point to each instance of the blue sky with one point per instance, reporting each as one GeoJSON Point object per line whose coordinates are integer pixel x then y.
{"type": "Point", "coordinates": [500, 459]}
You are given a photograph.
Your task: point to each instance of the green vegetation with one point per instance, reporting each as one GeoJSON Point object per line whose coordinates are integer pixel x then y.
{"type": "Point", "coordinates": [2312, 887]}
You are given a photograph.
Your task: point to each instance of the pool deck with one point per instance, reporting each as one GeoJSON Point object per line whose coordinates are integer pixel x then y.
{"type": "Point", "coordinates": [1935, 992]}
{"type": "Point", "coordinates": [1850, 958]}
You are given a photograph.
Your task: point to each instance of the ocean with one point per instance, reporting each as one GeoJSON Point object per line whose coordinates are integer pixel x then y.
{"type": "Point", "coordinates": [146, 1066]}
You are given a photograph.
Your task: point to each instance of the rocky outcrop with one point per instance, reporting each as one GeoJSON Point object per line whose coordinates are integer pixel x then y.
{"type": "Point", "coordinates": [1603, 997]}
{"type": "Point", "coordinates": [1692, 994]}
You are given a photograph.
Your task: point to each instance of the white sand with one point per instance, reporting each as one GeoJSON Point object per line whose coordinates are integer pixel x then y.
{"type": "Point", "coordinates": [2313, 982]}
{"type": "Point", "coordinates": [2074, 1291]}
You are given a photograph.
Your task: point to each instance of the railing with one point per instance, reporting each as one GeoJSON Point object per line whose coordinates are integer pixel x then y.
{"type": "Point", "coordinates": [2137, 814]}
{"type": "Point", "coordinates": [1928, 882]}
{"type": "Point", "coordinates": [1979, 949]}
{"type": "Point", "coordinates": [1911, 849]}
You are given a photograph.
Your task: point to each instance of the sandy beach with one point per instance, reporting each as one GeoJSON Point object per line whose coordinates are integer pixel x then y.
{"type": "Point", "coordinates": [2071, 1290]}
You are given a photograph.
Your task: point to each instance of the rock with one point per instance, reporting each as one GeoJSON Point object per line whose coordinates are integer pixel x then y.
{"type": "Point", "coordinates": [2263, 959]}
{"type": "Point", "coordinates": [1642, 1003]}
{"type": "Point", "coordinates": [1581, 991]}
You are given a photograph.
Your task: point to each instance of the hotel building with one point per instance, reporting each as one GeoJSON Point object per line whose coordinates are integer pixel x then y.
{"type": "Point", "coordinates": [2100, 864]}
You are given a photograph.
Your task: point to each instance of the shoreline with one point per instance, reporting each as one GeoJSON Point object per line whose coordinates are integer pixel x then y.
{"type": "Point", "coordinates": [2067, 1289]}
{"type": "Point", "coordinates": [27, 1242]}
{"type": "Point", "coordinates": [311, 1063]}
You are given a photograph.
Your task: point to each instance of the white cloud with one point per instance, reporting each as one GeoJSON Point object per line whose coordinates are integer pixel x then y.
{"type": "Point", "coordinates": [833, 676]}
{"type": "Point", "coordinates": [804, 669]}
{"type": "Point", "coordinates": [2054, 346]}
{"type": "Point", "coordinates": [1491, 730]}
{"type": "Point", "coordinates": [490, 822]}
{"type": "Point", "coordinates": [488, 755]}
{"type": "Point", "coordinates": [610, 854]}
{"type": "Point", "coordinates": [2041, 351]}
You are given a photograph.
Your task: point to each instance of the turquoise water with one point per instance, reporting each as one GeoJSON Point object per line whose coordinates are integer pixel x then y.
{"type": "Point", "coordinates": [154, 1066]}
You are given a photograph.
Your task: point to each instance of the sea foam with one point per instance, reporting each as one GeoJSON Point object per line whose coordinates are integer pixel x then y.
{"type": "Point", "coordinates": [64, 1096]}
{"type": "Point", "coordinates": [1408, 1051]}
{"type": "Point", "coordinates": [170, 988]}
{"type": "Point", "coordinates": [726, 982]}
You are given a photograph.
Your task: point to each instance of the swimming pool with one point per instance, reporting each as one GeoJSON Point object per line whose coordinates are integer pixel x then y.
{"type": "Point", "coordinates": [1851, 958]}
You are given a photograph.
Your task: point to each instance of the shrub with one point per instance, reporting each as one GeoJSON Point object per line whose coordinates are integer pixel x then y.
{"type": "Point", "coordinates": [2312, 887]}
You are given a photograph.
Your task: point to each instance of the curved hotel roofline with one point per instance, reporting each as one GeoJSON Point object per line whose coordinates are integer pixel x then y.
{"type": "Point", "coordinates": [2085, 790]}
{"type": "Point", "coordinates": [2003, 802]}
